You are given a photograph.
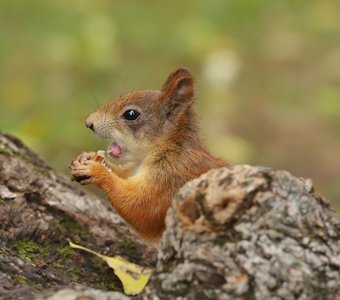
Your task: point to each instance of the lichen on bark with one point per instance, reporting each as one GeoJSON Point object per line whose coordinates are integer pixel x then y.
{"type": "Point", "coordinates": [248, 233]}
{"type": "Point", "coordinates": [39, 211]}
{"type": "Point", "coordinates": [234, 233]}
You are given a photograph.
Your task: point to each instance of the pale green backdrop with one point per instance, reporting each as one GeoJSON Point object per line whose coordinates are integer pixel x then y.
{"type": "Point", "coordinates": [268, 74]}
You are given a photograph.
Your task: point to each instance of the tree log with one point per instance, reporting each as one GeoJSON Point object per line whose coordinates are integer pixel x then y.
{"type": "Point", "coordinates": [248, 233]}
{"type": "Point", "coordinates": [238, 233]}
{"type": "Point", "coordinates": [40, 210]}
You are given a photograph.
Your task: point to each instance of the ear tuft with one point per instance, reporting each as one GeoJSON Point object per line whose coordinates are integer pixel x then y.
{"type": "Point", "coordinates": [179, 84]}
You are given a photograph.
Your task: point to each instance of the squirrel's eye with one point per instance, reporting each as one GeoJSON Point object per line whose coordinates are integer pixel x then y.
{"type": "Point", "coordinates": [131, 115]}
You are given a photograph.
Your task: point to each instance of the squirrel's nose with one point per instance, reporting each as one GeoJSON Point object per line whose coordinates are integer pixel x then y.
{"type": "Point", "coordinates": [89, 123]}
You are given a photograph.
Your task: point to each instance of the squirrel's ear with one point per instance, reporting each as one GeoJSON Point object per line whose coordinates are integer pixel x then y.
{"type": "Point", "coordinates": [178, 91]}
{"type": "Point", "coordinates": [179, 84]}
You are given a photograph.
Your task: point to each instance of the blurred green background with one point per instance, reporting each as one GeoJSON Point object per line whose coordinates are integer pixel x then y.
{"type": "Point", "coordinates": [268, 74]}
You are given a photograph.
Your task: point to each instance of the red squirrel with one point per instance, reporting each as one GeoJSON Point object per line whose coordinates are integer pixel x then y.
{"type": "Point", "coordinates": [154, 150]}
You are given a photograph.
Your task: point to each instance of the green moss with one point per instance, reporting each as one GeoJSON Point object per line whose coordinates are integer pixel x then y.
{"type": "Point", "coordinates": [38, 286]}
{"type": "Point", "coordinates": [74, 274]}
{"type": "Point", "coordinates": [47, 285]}
{"type": "Point", "coordinates": [6, 152]}
{"type": "Point", "coordinates": [98, 263]}
{"type": "Point", "coordinates": [3, 251]}
{"type": "Point", "coordinates": [130, 245]}
{"type": "Point", "coordinates": [282, 230]}
{"type": "Point", "coordinates": [29, 250]}
{"type": "Point", "coordinates": [319, 285]}
{"type": "Point", "coordinates": [101, 268]}
{"type": "Point", "coordinates": [305, 222]}
{"type": "Point", "coordinates": [40, 169]}
{"type": "Point", "coordinates": [58, 225]}
{"type": "Point", "coordinates": [297, 264]}
{"type": "Point", "coordinates": [2, 201]}
{"type": "Point", "coordinates": [26, 281]}
{"type": "Point", "coordinates": [21, 279]}
{"type": "Point", "coordinates": [167, 266]}
{"type": "Point", "coordinates": [221, 240]}
{"type": "Point", "coordinates": [65, 251]}
{"type": "Point", "coordinates": [315, 237]}
{"type": "Point", "coordinates": [285, 213]}
{"type": "Point", "coordinates": [107, 286]}
{"type": "Point", "coordinates": [59, 266]}
{"type": "Point", "coordinates": [69, 227]}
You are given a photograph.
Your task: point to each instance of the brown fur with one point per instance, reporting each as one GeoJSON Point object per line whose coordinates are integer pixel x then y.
{"type": "Point", "coordinates": [161, 152]}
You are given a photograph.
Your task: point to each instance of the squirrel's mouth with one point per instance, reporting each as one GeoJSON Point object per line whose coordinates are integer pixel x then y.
{"type": "Point", "coordinates": [115, 150]}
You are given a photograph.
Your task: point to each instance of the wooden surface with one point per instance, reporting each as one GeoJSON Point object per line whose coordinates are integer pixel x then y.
{"type": "Point", "coordinates": [40, 210]}
{"type": "Point", "coordinates": [249, 233]}
{"type": "Point", "coordinates": [239, 233]}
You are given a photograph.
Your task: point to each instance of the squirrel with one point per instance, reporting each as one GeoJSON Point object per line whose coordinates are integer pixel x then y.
{"type": "Point", "coordinates": [154, 150]}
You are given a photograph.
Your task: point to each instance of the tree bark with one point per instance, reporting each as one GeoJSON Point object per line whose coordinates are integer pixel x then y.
{"type": "Point", "coordinates": [238, 233]}
{"type": "Point", "coordinates": [248, 233]}
{"type": "Point", "coordinates": [40, 210]}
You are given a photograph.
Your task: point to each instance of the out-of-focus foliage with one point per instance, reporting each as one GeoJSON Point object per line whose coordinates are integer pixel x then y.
{"type": "Point", "coordinates": [268, 74]}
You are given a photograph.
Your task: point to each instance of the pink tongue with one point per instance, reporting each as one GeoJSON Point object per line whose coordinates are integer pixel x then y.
{"type": "Point", "coordinates": [115, 150]}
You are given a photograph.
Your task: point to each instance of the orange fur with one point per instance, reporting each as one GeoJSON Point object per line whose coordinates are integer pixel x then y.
{"type": "Point", "coordinates": [161, 152]}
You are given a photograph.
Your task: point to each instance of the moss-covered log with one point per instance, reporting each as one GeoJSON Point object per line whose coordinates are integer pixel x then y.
{"type": "Point", "coordinates": [249, 233]}
{"type": "Point", "coordinates": [40, 210]}
{"type": "Point", "coordinates": [239, 233]}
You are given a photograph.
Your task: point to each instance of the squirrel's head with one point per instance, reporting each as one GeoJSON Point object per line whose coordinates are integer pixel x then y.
{"type": "Point", "coordinates": [135, 122]}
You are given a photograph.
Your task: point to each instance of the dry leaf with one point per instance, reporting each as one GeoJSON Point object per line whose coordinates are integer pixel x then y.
{"type": "Point", "coordinates": [133, 277]}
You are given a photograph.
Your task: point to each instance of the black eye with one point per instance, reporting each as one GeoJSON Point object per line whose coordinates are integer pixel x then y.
{"type": "Point", "coordinates": [131, 115]}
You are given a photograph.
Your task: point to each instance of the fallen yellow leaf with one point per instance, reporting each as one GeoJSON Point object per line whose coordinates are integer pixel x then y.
{"type": "Point", "coordinates": [133, 277]}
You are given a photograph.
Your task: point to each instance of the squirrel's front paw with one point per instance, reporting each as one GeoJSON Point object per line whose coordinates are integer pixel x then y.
{"type": "Point", "coordinates": [84, 167]}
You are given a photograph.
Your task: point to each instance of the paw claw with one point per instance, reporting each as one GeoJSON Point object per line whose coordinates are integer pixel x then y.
{"type": "Point", "coordinates": [85, 166]}
{"type": "Point", "coordinates": [85, 182]}
{"type": "Point", "coordinates": [80, 168]}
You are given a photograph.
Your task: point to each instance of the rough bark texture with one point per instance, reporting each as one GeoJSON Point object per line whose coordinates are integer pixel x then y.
{"type": "Point", "coordinates": [248, 233]}
{"type": "Point", "coordinates": [238, 233]}
{"type": "Point", "coordinates": [39, 211]}
{"type": "Point", "coordinates": [80, 293]}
